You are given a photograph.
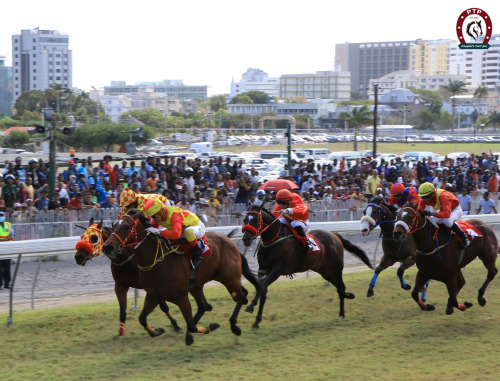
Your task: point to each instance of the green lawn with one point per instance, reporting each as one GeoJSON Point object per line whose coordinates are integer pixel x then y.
{"type": "Point", "coordinates": [386, 337]}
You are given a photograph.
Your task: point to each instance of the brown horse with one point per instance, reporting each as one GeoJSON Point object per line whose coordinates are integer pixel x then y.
{"type": "Point", "coordinates": [165, 274]}
{"type": "Point", "coordinates": [125, 272]}
{"type": "Point", "coordinates": [441, 256]}
{"type": "Point", "coordinates": [378, 213]}
{"type": "Point", "coordinates": [280, 253]}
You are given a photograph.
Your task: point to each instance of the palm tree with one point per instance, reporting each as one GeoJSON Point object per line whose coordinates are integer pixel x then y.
{"type": "Point", "coordinates": [494, 119]}
{"type": "Point", "coordinates": [455, 88]}
{"type": "Point", "coordinates": [357, 118]}
{"type": "Point", "coordinates": [481, 92]}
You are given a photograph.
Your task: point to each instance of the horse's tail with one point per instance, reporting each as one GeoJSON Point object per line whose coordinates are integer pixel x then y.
{"type": "Point", "coordinates": [233, 232]}
{"type": "Point", "coordinates": [249, 275]}
{"type": "Point", "coordinates": [356, 250]}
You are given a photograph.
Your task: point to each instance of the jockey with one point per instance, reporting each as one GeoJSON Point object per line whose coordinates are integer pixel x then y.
{"type": "Point", "coordinates": [293, 211]}
{"type": "Point", "coordinates": [179, 223]}
{"type": "Point", "coordinates": [131, 200]}
{"type": "Point", "coordinates": [447, 208]}
{"type": "Point", "coordinates": [401, 195]}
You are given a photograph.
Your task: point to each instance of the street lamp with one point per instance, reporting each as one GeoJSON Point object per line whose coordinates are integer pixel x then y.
{"type": "Point", "coordinates": [97, 119]}
{"type": "Point", "coordinates": [405, 109]}
{"type": "Point", "coordinates": [48, 114]}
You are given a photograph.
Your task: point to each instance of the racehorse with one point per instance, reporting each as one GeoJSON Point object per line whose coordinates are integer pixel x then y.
{"type": "Point", "coordinates": [280, 253]}
{"type": "Point", "coordinates": [378, 213]}
{"type": "Point", "coordinates": [125, 273]}
{"type": "Point", "coordinates": [440, 256]}
{"type": "Point", "coordinates": [165, 275]}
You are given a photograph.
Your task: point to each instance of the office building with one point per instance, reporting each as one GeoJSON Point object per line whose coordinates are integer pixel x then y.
{"type": "Point", "coordinates": [5, 88]}
{"type": "Point", "coordinates": [40, 59]}
{"type": "Point", "coordinates": [331, 85]}
{"type": "Point", "coordinates": [258, 80]}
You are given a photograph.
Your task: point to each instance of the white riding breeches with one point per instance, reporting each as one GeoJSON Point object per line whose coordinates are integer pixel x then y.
{"type": "Point", "coordinates": [304, 224]}
{"type": "Point", "coordinates": [456, 214]}
{"type": "Point", "coordinates": [197, 230]}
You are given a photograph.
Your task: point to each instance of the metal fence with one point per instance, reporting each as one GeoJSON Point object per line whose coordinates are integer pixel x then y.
{"type": "Point", "coordinates": [64, 223]}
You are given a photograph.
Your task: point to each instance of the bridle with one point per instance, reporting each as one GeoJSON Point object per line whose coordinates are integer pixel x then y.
{"type": "Point", "coordinates": [381, 212]}
{"type": "Point", "coordinates": [133, 232]}
{"type": "Point", "coordinates": [416, 220]}
{"type": "Point", "coordinates": [262, 227]}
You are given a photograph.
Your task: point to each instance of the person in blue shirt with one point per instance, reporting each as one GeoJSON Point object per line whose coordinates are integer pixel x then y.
{"type": "Point", "coordinates": [43, 202]}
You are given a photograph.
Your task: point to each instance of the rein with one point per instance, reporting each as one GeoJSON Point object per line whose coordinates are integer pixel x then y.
{"type": "Point", "coordinates": [133, 231]}
{"type": "Point", "coordinates": [262, 228]}
{"type": "Point", "coordinates": [380, 210]}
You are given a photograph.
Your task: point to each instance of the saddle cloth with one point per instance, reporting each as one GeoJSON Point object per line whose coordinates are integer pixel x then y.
{"type": "Point", "coordinates": [469, 229]}
{"type": "Point", "coordinates": [206, 250]}
{"type": "Point", "coordinates": [313, 243]}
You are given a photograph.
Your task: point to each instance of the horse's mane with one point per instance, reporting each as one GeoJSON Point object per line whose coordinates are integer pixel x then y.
{"type": "Point", "coordinates": [136, 213]}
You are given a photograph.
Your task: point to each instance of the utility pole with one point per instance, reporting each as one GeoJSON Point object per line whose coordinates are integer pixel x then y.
{"type": "Point", "coordinates": [289, 148]}
{"type": "Point", "coordinates": [48, 114]}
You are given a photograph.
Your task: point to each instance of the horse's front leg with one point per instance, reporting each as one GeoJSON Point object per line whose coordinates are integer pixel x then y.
{"type": "Point", "coordinates": [121, 295]}
{"type": "Point", "coordinates": [166, 311]}
{"type": "Point", "coordinates": [420, 281]}
{"type": "Point", "coordinates": [384, 263]}
{"type": "Point", "coordinates": [273, 275]}
{"type": "Point", "coordinates": [454, 285]}
{"type": "Point", "coordinates": [185, 307]}
{"type": "Point", "coordinates": [150, 304]}
{"type": "Point", "coordinates": [407, 263]}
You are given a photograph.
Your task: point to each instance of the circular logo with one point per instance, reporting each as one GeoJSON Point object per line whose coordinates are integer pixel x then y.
{"type": "Point", "coordinates": [474, 26]}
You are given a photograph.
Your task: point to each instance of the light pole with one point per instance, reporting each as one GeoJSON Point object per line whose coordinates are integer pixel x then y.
{"type": "Point", "coordinates": [98, 103]}
{"type": "Point", "coordinates": [48, 114]}
{"type": "Point", "coordinates": [405, 109]}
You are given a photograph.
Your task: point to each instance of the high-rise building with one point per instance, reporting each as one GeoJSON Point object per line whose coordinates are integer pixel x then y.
{"type": "Point", "coordinates": [321, 85]}
{"type": "Point", "coordinates": [40, 59]}
{"type": "Point", "coordinates": [430, 57]}
{"type": "Point", "coordinates": [172, 88]}
{"type": "Point", "coordinates": [371, 60]}
{"type": "Point", "coordinates": [5, 88]}
{"type": "Point", "coordinates": [256, 79]}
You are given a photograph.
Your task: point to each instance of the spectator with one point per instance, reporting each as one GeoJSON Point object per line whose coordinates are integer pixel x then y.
{"type": "Point", "coordinates": [465, 201]}
{"type": "Point", "coordinates": [486, 204]}
{"type": "Point", "coordinates": [75, 203]}
{"type": "Point", "coordinates": [87, 202]}
{"type": "Point", "coordinates": [56, 202]}
{"type": "Point", "coordinates": [71, 171]}
{"type": "Point", "coordinates": [42, 203]}
{"type": "Point", "coordinates": [373, 183]}
{"type": "Point", "coordinates": [22, 193]}
{"type": "Point", "coordinates": [9, 192]}
{"type": "Point", "coordinates": [6, 234]}
{"type": "Point", "coordinates": [243, 185]}
{"type": "Point", "coordinates": [108, 203]}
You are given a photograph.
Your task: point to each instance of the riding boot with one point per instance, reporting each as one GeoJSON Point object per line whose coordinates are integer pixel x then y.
{"type": "Point", "coordinates": [196, 257]}
{"type": "Point", "coordinates": [456, 229]}
{"type": "Point", "coordinates": [300, 231]}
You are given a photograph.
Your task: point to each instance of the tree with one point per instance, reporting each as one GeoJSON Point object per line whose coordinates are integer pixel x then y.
{"type": "Point", "coordinates": [217, 102]}
{"type": "Point", "coordinates": [149, 116]}
{"type": "Point", "coordinates": [481, 92]}
{"type": "Point", "coordinates": [494, 119]}
{"type": "Point", "coordinates": [17, 139]}
{"type": "Point", "coordinates": [32, 100]}
{"type": "Point", "coordinates": [357, 118]}
{"type": "Point", "coordinates": [257, 97]}
{"type": "Point", "coordinates": [427, 118]}
{"type": "Point", "coordinates": [445, 120]}
{"type": "Point", "coordinates": [454, 88]}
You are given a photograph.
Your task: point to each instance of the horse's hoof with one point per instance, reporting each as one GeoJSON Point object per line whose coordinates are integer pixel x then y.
{"type": "Point", "coordinates": [213, 326]}
{"type": "Point", "coordinates": [177, 328]}
{"type": "Point", "coordinates": [249, 309]}
{"type": "Point", "coordinates": [406, 287]}
{"type": "Point", "coordinates": [341, 317]}
{"type": "Point", "coordinates": [469, 304]}
{"type": "Point", "coordinates": [370, 292]}
{"type": "Point", "coordinates": [430, 307]}
{"type": "Point", "coordinates": [209, 307]}
{"type": "Point", "coordinates": [449, 310]}
{"type": "Point", "coordinates": [189, 340]}
{"type": "Point", "coordinates": [349, 295]}
{"type": "Point", "coordinates": [481, 300]}
{"type": "Point", "coordinates": [236, 330]}
{"type": "Point", "coordinates": [255, 325]}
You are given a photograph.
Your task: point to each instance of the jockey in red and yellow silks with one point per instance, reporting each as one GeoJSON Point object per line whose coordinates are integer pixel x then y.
{"type": "Point", "coordinates": [293, 211]}
{"type": "Point", "coordinates": [447, 208]}
{"type": "Point", "coordinates": [179, 223]}
{"type": "Point", "coordinates": [129, 199]}
{"type": "Point", "coordinates": [401, 195]}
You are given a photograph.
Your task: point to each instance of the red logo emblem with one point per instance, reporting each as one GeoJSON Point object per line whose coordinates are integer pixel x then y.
{"type": "Point", "coordinates": [474, 29]}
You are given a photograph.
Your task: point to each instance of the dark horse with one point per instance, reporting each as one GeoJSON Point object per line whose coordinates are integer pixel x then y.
{"type": "Point", "coordinates": [125, 272]}
{"type": "Point", "coordinates": [378, 213]}
{"type": "Point", "coordinates": [280, 253]}
{"type": "Point", "coordinates": [165, 275]}
{"type": "Point", "coordinates": [441, 256]}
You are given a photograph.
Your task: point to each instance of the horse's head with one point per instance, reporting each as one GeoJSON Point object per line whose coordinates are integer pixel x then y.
{"type": "Point", "coordinates": [408, 221]}
{"type": "Point", "coordinates": [252, 224]}
{"type": "Point", "coordinates": [127, 232]}
{"type": "Point", "coordinates": [376, 213]}
{"type": "Point", "coordinates": [90, 245]}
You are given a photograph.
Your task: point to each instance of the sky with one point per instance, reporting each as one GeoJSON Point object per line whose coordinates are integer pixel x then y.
{"type": "Point", "coordinates": [210, 43]}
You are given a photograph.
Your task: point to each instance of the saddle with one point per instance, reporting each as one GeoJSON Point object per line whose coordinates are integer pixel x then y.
{"type": "Point", "coordinates": [185, 248]}
{"type": "Point", "coordinates": [471, 231]}
{"type": "Point", "coordinates": [313, 242]}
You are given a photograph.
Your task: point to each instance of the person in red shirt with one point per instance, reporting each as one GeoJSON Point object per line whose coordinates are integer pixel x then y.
{"type": "Point", "coordinates": [447, 208]}
{"type": "Point", "coordinates": [293, 212]}
{"type": "Point", "coordinates": [401, 195]}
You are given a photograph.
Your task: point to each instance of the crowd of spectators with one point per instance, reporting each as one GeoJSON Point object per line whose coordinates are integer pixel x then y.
{"type": "Point", "coordinates": [208, 185]}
